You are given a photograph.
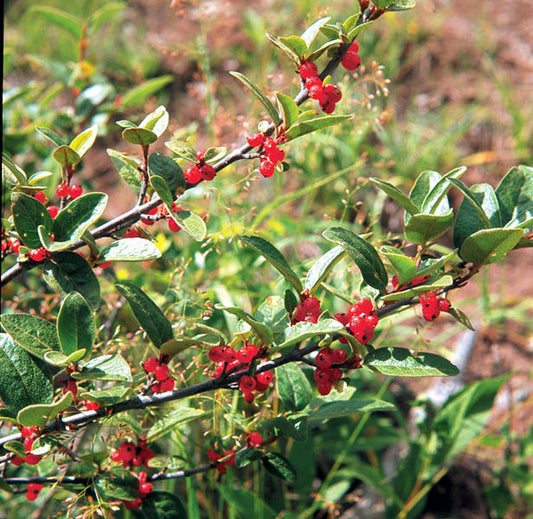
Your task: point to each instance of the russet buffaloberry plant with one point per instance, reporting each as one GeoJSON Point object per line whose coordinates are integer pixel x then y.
{"type": "Point", "coordinates": [79, 415]}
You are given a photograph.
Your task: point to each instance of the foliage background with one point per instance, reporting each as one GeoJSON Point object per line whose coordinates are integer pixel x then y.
{"type": "Point", "coordinates": [460, 89]}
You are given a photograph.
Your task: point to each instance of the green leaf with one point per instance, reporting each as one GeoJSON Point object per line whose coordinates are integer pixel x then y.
{"type": "Point", "coordinates": [312, 125]}
{"type": "Point", "coordinates": [147, 313]}
{"type": "Point", "coordinates": [351, 22]}
{"type": "Point", "coordinates": [40, 414]}
{"type": "Point", "coordinates": [157, 121]}
{"type": "Point", "coordinates": [435, 202]}
{"type": "Point", "coordinates": [137, 95]}
{"type": "Point", "coordinates": [130, 249]}
{"type": "Point", "coordinates": [322, 267]}
{"type": "Point", "coordinates": [24, 380]}
{"type": "Point", "coordinates": [293, 387]}
{"type": "Point", "coordinates": [139, 136]}
{"type": "Point", "coordinates": [288, 51]}
{"type": "Point", "coordinates": [173, 420]}
{"type": "Point", "coordinates": [163, 505]}
{"type": "Point", "coordinates": [127, 168]}
{"type": "Point", "coordinates": [107, 396]}
{"type": "Point", "coordinates": [28, 215]}
{"type": "Point", "coordinates": [312, 31]}
{"type": "Point", "coordinates": [279, 466]}
{"type": "Point", "coordinates": [362, 253]}
{"type": "Point", "coordinates": [402, 5]}
{"type": "Point", "coordinates": [289, 109]}
{"type": "Point", "coordinates": [290, 301]}
{"type": "Point", "coordinates": [105, 367]}
{"type": "Point", "coordinates": [182, 149]}
{"type": "Point", "coordinates": [489, 245]}
{"type": "Point", "coordinates": [38, 177]}
{"type": "Point", "coordinates": [83, 142]}
{"type": "Point", "coordinates": [161, 188]}
{"type": "Point", "coordinates": [215, 153]}
{"type": "Point", "coordinates": [323, 48]}
{"type": "Point", "coordinates": [9, 168]}
{"type": "Point", "coordinates": [74, 219]}
{"type": "Point", "coordinates": [431, 266]}
{"type": "Point", "coordinates": [103, 14]}
{"type": "Point", "coordinates": [423, 185]}
{"type": "Point", "coordinates": [58, 359]}
{"type": "Point", "coordinates": [330, 31]}
{"type": "Point", "coordinates": [165, 167]}
{"type": "Point", "coordinates": [343, 408]}
{"type": "Point", "coordinates": [400, 362]}
{"type": "Point", "coordinates": [461, 317]}
{"type": "Point", "coordinates": [396, 195]}
{"type": "Point", "coordinates": [356, 31]}
{"type": "Point", "coordinates": [423, 228]}
{"type": "Point", "coordinates": [66, 156]}
{"type": "Point", "coordinates": [441, 282]}
{"type": "Point", "coordinates": [118, 484]}
{"type": "Point", "coordinates": [69, 272]}
{"type": "Point", "coordinates": [515, 195]}
{"type": "Point", "coordinates": [271, 312]}
{"type": "Point", "coordinates": [263, 332]}
{"type": "Point", "coordinates": [404, 266]}
{"type": "Point", "coordinates": [245, 457]}
{"type": "Point", "coordinates": [76, 326]}
{"type": "Point", "coordinates": [60, 18]}
{"type": "Point", "coordinates": [305, 330]}
{"type": "Point", "coordinates": [274, 257]}
{"type": "Point", "coordinates": [51, 135]}
{"type": "Point", "coordinates": [293, 426]}
{"type": "Point", "coordinates": [296, 44]}
{"type": "Point", "coordinates": [35, 335]}
{"type": "Point", "coordinates": [191, 223]}
{"type": "Point", "coordinates": [270, 108]}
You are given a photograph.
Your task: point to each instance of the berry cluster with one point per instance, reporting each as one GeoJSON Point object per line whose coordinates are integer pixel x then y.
{"type": "Point", "coordinates": [130, 454]}
{"type": "Point", "coordinates": [327, 95]}
{"type": "Point", "coordinates": [270, 154]}
{"type": "Point", "coordinates": [10, 245]}
{"type": "Point", "coordinates": [74, 191]}
{"type": "Point", "coordinates": [222, 459]}
{"type": "Point", "coordinates": [326, 373]}
{"type": "Point", "coordinates": [33, 491]}
{"type": "Point", "coordinates": [227, 358]}
{"type": "Point", "coordinates": [159, 367]}
{"type": "Point", "coordinates": [351, 60]}
{"type": "Point", "coordinates": [308, 310]}
{"type": "Point", "coordinates": [144, 489]}
{"type": "Point", "coordinates": [254, 439]}
{"type": "Point", "coordinates": [30, 434]}
{"type": "Point", "coordinates": [199, 171]}
{"type": "Point", "coordinates": [361, 319]}
{"type": "Point", "coordinates": [432, 305]}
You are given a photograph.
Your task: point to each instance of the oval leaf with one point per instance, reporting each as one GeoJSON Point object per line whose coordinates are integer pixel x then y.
{"type": "Point", "coordinates": [56, 358]}
{"type": "Point", "coordinates": [168, 169]}
{"type": "Point", "coordinates": [289, 109]}
{"type": "Point", "coordinates": [182, 149]}
{"type": "Point", "coordinates": [147, 313]}
{"type": "Point", "coordinates": [24, 380]}
{"type": "Point", "coordinates": [66, 156]}
{"type": "Point", "coordinates": [35, 335]}
{"type": "Point", "coordinates": [157, 121]}
{"type": "Point", "coordinates": [343, 408]}
{"type": "Point", "coordinates": [362, 253]}
{"type": "Point", "coordinates": [304, 330]}
{"type": "Point", "coordinates": [275, 258]}
{"type": "Point", "coordinates": [76, 326]}
{"type": "Point", "coordinates": [279, 466]}
{"type": "Point", "coordinates": [313, 125]}
{"type": "Point", "coordinates": [262, 331]}
{"type": "Point", "coordinates": [293, 387]}
{"type": "Point", "coordinates": [105, 367]}
{"type": "Point", "coordinates": [28, 215]}
{"type": "Point", "coordinates": [169, 423]}
{"type": "Point", "coordinates": [163, 505]}
{"type": "Point", "coordinates": [69, 272]}
{"type": "Point", "coordinates": [83, 142]}
{"type": "Point", "coordinates": [489, 245]}
{"type": "Point", "coordinates": [400, 362]}
{"type": "Point", "coordinates": [191, 223]}
{"type": "Point", "coordinates": [396, 195]}
{"type": "Point", "coordinates": [322, 267]}
{"type": "Point", "coordinates": [40, 414]}
{"type": "Point", "coordinates": [139, 136]}
{"type": "Point", "coordinates": [423, 228]}
{"type": "Point", "coordinates": [127, 168]}
{"type": "Point", "coordinates": [130, 249]}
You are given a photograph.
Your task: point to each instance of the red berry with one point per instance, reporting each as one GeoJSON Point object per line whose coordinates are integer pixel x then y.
{"type": "Point", "coordinates": [213, 456]}
{"type": "Point", "coordinates": [328, 106]}
{"type": "Point", "coordinates": [311, 305]}
{"type": "Point", "coordinates": [200, 155]}
{"type": "Point", "coordinates": [75, 191]}
{"type": "Point", "coordinates": [18, 461]}
{"type": "Point", "coordinates": [193, 175]}
{"type": "Point", "coordinates": [52, 211]}
{"type": "Point", "coordinates": [248, 397]}
{"type": "Point", "coordinates": [167, 385]}
{"type": "Point", "coordinates": [132, 233]}
{"type": "Point", "coordinates": [354, 47]}
{"type": "Point", "coordinates": [313, 82]}
{"type": "Point", "coordinates": [230, 455]}
{"type": "Point", "coordinates": [254, 439]}
{"type": "Point", "coordinates": [247, 353]}
{"type": "Point", "coordinates": [275, 155]}
{"type": "Point", "coordinates": [266, 168]}
{"type": "Point", "coordinates": [72, 387]}
{"type": "Point", "coordinates": [333, 93]}
{"type": "Point", "coordinates": [444, 304]}
{"type": "Point", "coordinates": [324, 388]}
{"type": "Point", "coordinates": [161, 372]}
{"type": "Point", "coordinates": [338, 355]}
{"type": "Point", "coordinates": [308, 69]}
{"type": "Point", "coordinates": [335, 374]}
{"type": "Point", "coordinates": [62, 190]}
{"type": "Point", "coordinates": [221, 468]}
{"type": "Point", "coordinates": [255, 139]}
{"type": "Point", "coordinates": [363, 306]}
{"type": "Point", "coordinates": [351, 60]}
{"type": "Point", "coordinates": [324, 359]}
{"type": "Point", "coordinates": [173, 226]}
{"type": "Point", "coordinates": [247, 383]}
{"type": "Point", "coordinates": [265, 378]}
{"type": "Point", "coordinates": [28, 444]}
{"type": "Point", "coordinates": [38, 254]}
{"type": "Point", "coordinates": [133, 505]}
{"type": "Point", "coordinates": [32, 459]}
{"type": "Point", "coordinates": [150, 364]}
{"type": "Point", "coordinates": [208, 172]}
{"type": "Point", "coordinates": [39, 195]}
{"type": "Point", "coordinates": [33, 491]}
{"type": "Point", "coordinates": [321, 375]}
